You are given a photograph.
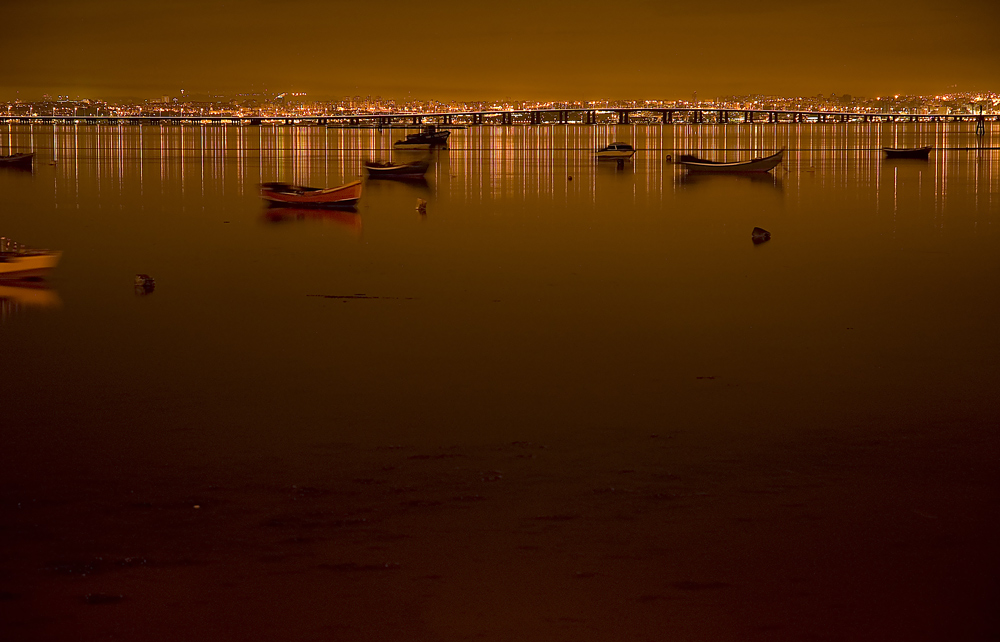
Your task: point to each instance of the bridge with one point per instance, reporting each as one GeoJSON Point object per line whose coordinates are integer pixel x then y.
{"type": "Point", "coordinates": [546, 116]}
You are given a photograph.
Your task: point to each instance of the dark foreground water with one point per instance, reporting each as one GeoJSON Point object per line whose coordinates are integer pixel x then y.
{"type": "Point", "coordinates": [571, 401]}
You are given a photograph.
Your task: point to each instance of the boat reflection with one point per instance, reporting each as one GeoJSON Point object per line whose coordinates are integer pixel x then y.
{"type": "Point", "coordinates": [15, 295]}
{"type": "Point", "coordinates": [719, 179]}
{"type": "Point", "coordinates": [348, 218]}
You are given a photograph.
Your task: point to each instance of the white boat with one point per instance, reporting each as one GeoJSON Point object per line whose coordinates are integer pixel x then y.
{"type": "Point", "coordinates": [19, 262]}
{"type": "Point", "coordinates": [616, 151]}
{"type": "Point", "coordinates": [766, 164]}
{"type": "Point", "coordinates": [27, 264]}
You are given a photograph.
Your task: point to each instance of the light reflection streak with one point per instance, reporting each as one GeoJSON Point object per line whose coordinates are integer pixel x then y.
{"type": "Point", "coordinates": [511, 164]}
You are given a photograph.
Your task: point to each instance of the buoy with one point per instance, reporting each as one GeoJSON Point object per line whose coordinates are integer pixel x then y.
{"type": "Point", "coordinates": [144, 284]}
{"type": "Point", "coordinates": [421, 206]}
{"type": "Point", "coordinates": [759, 235]}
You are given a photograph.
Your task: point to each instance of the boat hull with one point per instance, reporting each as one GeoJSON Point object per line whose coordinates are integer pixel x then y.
{"type": "Point", "coordinates": [17, 160]}
{"type": "Point", "coordinates": [427, 139]}
{"type": "Point", "coordinates": [409, 170]}
{"type": "Point", "coordinates": [765, 164]}
{"type": "Point", "coordinates": [27, 266]}
{"type": "Point", "coordinates": [918, 152]}
{"type": "Point", "coordinates": [345, 196]}
{"type": "Point", "coordinates": [609, 155]}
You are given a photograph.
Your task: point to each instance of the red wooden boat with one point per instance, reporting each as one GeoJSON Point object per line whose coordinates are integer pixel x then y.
{"type": "Point", "coordinates": [283, 194]}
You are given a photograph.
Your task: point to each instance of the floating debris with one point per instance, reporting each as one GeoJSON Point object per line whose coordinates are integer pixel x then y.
{"type": "Point", "coordinates": [759, 235]}
{"type": "Point", "coordinates": [144, 284]}
{"type": "Point", "coordinates": [421, 206]}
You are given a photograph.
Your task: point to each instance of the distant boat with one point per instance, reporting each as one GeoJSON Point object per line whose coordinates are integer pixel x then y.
{"type": "Point", "coordinates": [16, 160]}
{"type": "Point", "coordinates": [902, 152]}
{"type": "Point", "coordinates": [22, 263]}
{"type": "Point", "coordinates": [283, 194]}
{"type": "Point", "coordinates": [765, 164]}
{"type": "Point", "coordinates": [616, 151]}
{"type": "Point", "coordinates": [388, 169]}
{"type": "Point", "coordinates": [428, 138]}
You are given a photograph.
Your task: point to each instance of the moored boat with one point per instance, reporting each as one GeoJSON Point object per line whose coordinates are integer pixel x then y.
{"type": "Point", "coordinates": [18, 262]}
{"type": "Point", "coordinates": [16, 160]}
{"type": "Point", "coordinates": [616, 151]}
{"type": "Point", "coordinates": [388, 169]}
{"type": "Point", "coordinates": [428, 138]}
{"type": "Point", "coordinates": [765, 164]}
{"type": "Point", "coordinates": [907, 152]}
{"type": "Point", "coordinates": [284, 194]}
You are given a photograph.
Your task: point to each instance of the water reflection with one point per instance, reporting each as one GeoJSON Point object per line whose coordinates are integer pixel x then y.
{"type": "Point", "coordinates": [15, 295]}
{"type": "Point", "coordinates": [722, 180]}
{"type": "Point", "coordinates": [344, 217]}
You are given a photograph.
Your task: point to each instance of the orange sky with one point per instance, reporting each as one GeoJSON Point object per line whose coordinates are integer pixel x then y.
{"type": "Point", "coordinates": [443, 49]}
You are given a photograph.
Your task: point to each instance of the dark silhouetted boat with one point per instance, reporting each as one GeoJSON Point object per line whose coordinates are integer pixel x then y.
{"type": "Point", "coordinates": [616, 151]}
{"type": "Point", "coordinates": [388, 169]}
{"type": "Point", "coordinates": [428, 138]}
{"type": "Point", "coordinates": [16, 160]}
{"type": "Point", "coordinates": [765, 164]}
{"type": "Point", "coordinates": [283, 194]}
{"type": "Point", "coordinates": [903, 152]}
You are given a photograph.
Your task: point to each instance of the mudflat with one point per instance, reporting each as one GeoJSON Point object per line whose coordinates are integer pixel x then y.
{"type": "Point", "coordinates": [886, 534]}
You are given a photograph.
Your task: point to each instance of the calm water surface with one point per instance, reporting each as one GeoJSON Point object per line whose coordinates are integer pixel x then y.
{"type": "Point", "coordinates": [571, 401]}
{"type": "Point", "coordinates": [541, 293]}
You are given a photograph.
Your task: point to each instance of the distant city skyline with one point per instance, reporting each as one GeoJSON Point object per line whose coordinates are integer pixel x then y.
{"type": "Point", "coordinates": [447, 50]}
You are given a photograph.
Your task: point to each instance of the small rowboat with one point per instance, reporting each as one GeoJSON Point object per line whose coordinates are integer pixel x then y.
{"type": "Point", "coordinates": [902, 152]}
{"type": "Point", "coordinates": [283, 194]}
{"type": "Point", "coordinates": [766, 164]}
{"type": "Point", "coordinates": [27, 264]}
{"type": "Point", "coordinates": [16, 160]}
{"type": "Point", "coordinates": [388, 169]}
{"type": "Point", "coordinates": [616, 151]}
